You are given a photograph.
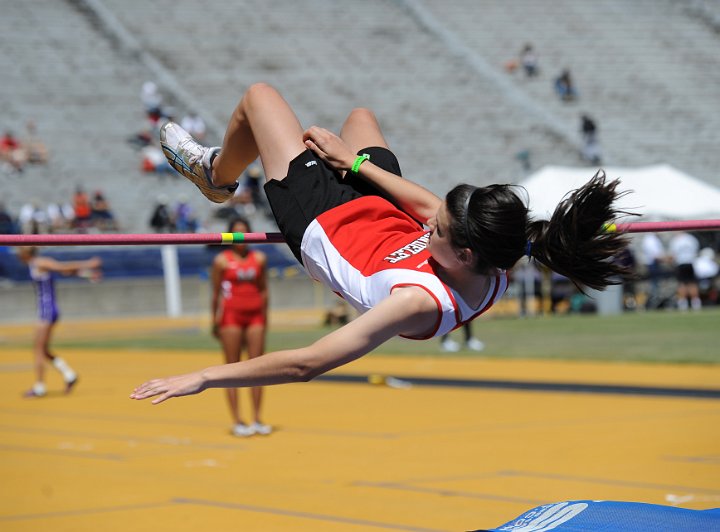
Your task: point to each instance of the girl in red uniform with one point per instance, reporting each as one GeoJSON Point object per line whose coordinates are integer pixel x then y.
{"type": "Point", "coordinates": [239, 313]}
{"type": "Point", "coordinates": [357, 227]}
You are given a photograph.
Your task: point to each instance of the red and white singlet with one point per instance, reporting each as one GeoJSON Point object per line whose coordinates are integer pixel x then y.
{"type": "Point", "coordinates": [365, 248]}
{"type": "Point", "coordinates": [239, 283]}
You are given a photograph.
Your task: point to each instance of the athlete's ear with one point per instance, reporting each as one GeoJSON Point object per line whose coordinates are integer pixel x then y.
{"type": "Point", "coordinates": [465, 256]}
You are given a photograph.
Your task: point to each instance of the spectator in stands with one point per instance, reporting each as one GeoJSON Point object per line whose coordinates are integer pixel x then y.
{"type": "Point", "coordinates": [152, 101]}
{"type": "Point", "coordinates": [7, 223]}
{"type": "Point", "coordinates": [591, 147]}
{"type": "Point", "coordinates": [153, 161]}
{"type": "Point", "coordinates": [195, 125]}
{"type": "Point", "coordinates": [59, 217]}
{"type": "Point", "coordinates": [564, 86]}
{"type": "Point", "coordinates": [13, 155]}
{"type": "Point", "coordinates": [160, 220]}
{"type": "Point", "coordinates": [239, 316]}
{"type": "Point", "coordinates": [684, 249]}
{"type": "Point", "coordinates": [102, 216]}
{"type": "Point", "coordinates": [33, 219]}
{"type": "Point", "coordinates": [652, 254]}
{"type": "Point", "coordinates": [185, 219]}
{"type": "Point", "coordinates": [37, 152]}
{"type": "Point", "coordinates": [529, 60]}
{"type": "Point", "coordinates": [42, 270]}
{"type": "Point", "coordinates": [451, 346]}
{"type": "Point", "coordinates": [82, 208]}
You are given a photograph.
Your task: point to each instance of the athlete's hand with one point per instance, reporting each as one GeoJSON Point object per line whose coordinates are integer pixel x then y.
{"type": "Point", "coordinates": [329, 147]}
{"type": "Point", "coordinates": [164, 389]}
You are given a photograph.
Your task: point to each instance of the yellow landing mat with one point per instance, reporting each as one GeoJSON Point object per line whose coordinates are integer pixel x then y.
{"type": "Point", "coordinates": [346, 457]}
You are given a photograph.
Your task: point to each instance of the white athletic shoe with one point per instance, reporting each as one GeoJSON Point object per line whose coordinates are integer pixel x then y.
{"type": "Point", "coordinates": [261, 428]}
{"type": "Point", "coordinates": [475, 344]}
{"type": "Point", "coordinates": [193, 161]}
{"type": "Point", "coordinates": [450, 345]}
{"type": "Point", "coordinates": [242, 430]}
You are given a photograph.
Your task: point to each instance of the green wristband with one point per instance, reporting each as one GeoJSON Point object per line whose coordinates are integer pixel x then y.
{"type": "Point", "coordinates": [355, 168]}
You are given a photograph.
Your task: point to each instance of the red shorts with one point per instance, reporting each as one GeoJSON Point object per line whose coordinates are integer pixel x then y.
{"type": "Point", "coordinates": [241, 318]}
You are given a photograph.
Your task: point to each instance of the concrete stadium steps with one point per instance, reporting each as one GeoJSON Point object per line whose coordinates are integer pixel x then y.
{"type": "Point", "coordinates": [641, 69]}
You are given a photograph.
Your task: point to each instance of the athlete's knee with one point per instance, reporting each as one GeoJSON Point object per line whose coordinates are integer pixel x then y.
{"type": "Point", "coordinates": [258, 92]}
{"type": "Point", "coordinates": [362, 113]}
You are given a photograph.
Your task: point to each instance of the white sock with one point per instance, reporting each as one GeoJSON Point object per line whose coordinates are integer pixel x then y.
{"type": "Point", "coordinates": [67, 372]}
{"type": "Point", "coordinates": [696, 303]}
{"type": "Point", "coordinates": [39, 388]}
{"type": "Point", "coordinates": [682, 304]}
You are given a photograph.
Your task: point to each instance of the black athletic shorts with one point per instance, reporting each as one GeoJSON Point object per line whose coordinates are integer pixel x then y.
{"type": "Point", "coordinates": [685, 273]}
{"type": "Point", "coordinates": [313, 187]}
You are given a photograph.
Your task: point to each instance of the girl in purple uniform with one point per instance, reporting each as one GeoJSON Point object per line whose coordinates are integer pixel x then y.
{"type": "Point", "coordinates": [41, 273]}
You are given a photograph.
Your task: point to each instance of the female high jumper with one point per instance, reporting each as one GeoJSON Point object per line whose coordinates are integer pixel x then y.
{"type": "Point", "coordinates": [357, 226]}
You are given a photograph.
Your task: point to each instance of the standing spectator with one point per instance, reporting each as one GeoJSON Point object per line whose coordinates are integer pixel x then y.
{"type": "Point", "coordinates": [591, 147]}
{"type": "Point", "coordinates": [706, 270]}
{"type": "Point", "coordinates": [451, 346]}
{"type": "Point", "coordinates": [41, 273]}
{"type": "Point", "coordinates": [529, 60]}
{"type": "Point", "coordinates": [239, 314]}
{"type": "Point", "coordinates": [82, 208]}
{"type": "Point", "coordinates": [564, 86]}
{"type": "Point", "coordinates": [684, 250]}
{"type": "Point", "coordinates": [194, 125]}
{"type": "Point", "coordinates": [653, 255]}
{"type": "Point", "coordinates": [160, 220]}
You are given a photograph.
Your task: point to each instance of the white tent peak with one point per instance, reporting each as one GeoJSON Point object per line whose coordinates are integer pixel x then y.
{"type": "Point", "coordinates": [658, 192]}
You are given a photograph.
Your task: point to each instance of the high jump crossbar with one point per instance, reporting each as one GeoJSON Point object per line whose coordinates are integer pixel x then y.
{"type": "Point", "coordinates": [275, 238]}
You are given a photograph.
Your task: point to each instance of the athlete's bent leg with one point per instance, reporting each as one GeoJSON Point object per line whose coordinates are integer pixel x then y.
{"type": "Point", "coordinates": [362, 130]}
{"type": "Point", "coordinates": [263, 123]}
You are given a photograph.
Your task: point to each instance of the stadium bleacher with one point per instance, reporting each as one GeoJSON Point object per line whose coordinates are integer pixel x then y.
{"type": "Point", "coordinates": [433, 72]}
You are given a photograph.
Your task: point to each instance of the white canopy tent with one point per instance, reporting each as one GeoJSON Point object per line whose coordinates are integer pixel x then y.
{"type": "Point", "coordinates": [657, 193]}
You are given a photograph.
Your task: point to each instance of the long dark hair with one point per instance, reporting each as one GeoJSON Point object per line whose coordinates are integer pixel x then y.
{"type": "Point", "coordinates": [493, 222]}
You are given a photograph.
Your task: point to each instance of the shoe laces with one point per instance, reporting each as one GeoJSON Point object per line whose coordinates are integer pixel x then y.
{"type": "Point", "coordinates": [196, 152]}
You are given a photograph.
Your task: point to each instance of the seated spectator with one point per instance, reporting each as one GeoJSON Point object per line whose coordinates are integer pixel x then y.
{"type": "Point", "coordinates": [60, 217]}
{"type": "Point", "coordinates": [185, 220]}
{"type": "Point", "coordinates": [160, 220]}
{"type": "Point", "coordinates": [7, 223]}
{"type": "Point", "coordinates": [151, 100]}
{"type": "Point", "coordinates": [154, 161]}
{"type": "Point", "coordinates": [13, 155]}
{"type": "Point", "coordinates": [82, 209]}
{"type": "Point", "coordinates": [37, 152]}
{"type": "Point", "coordinates": [33, 219]}
{"type": "Point", "coordinates": [193, 124]}
{"type": "Point", "coordinates": [102, 217]}
{"type": "Point", "coordinates": [564, 86]}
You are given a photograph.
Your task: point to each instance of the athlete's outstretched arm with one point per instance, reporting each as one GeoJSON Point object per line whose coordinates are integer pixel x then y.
{"type": "Point", "coordinates": [67, 267]}
{"type": "Point", "coordinates": [407, 311]}
{"type": "Point", "coordinates": [412, 198]}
